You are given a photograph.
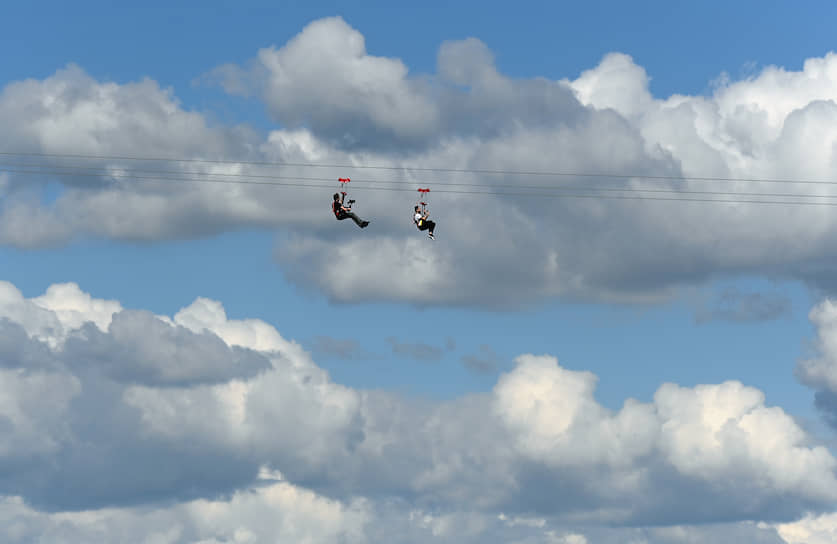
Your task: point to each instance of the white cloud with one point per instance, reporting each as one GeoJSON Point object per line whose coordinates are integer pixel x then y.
{"type": "Point", "coordinates": [304, 516]}
{"type": "Point", "coordinates": [70, 112]}
{"type": "Point", "coordinates": [615, 83]}
{"type": "Point", "coordinates": [73, 307]}
{"type": "Point", "coordinates": [604, 121]}
{"type": "Point", "coordinates": [271, 512]}
{"type": "Point", "coordinates": [540, 401]}
{"type": "Point", "coordinates": [325, 77]}
{"type": "Point", "coordinates": [715, 438]}
{"type": "Point", "coordinates": [721, 432]}
{"type": "Point", "coordinates": [810, 530]}
{"type": "Point", "coordinates": [279, 512]}
{"type": "Point", "coordinates": [340, 104]}
{"type": "Point", "coordinates": [33, 409]}
{"type": "Point", "coordinates": [36, 320]}
{"type": "Point", "coordinates": [778, 92]}
{"type": "Point", "coordinates": [819, 369]}
{"type": "Point", "coordinates": [91, 427]}
{"type": "Point", "coordinates": [570, 538]}
{"type": "Point", "coordinates": [177, 357]}
{"type": "Point", "coordinates": [820, 372]}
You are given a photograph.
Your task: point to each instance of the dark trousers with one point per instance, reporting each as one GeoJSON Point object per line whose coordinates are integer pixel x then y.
{"type": "Point", "coordinates": [427, 225]}
{"type": "Point", "coordinates": [350, 215]}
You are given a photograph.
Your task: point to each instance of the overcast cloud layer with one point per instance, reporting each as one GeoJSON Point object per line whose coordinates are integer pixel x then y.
{"type": "Point", "coordinates": [222, 430]}
{"type": "Point", "coordinates": [337, 103]}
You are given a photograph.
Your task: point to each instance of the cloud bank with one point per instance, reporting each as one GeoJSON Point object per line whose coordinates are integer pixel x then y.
{"type": "Point", "coordinates": [214, 425]}
{"type": "Point", "coordinates": [335, 102]}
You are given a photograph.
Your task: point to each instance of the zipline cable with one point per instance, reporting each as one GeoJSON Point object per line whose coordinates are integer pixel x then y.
{"type": "Point", "coordinates": [409, 168]}
{"type": "Point", "coordinates": [4, 165]}
{"type": "Point", "coordinates": [323, 182]}
{"type": "Point", "coordinates": [551, 192]}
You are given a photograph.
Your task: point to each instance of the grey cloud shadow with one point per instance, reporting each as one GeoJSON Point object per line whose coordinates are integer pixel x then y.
{"type": "Point", "coordinates": [17, 350]}
{"type": "Point", "coordinates": [826, 403]}
{"type": "Point", "coordinates": [744, 307]}
{"type": "Point", "coordinates": [485, 361]}
{"type": "Point", "coordinates": [347, 349]}
{"type": "Point", "coordinates": [177, 357]}
{"type": "Point", "coordinates": [420, 351]}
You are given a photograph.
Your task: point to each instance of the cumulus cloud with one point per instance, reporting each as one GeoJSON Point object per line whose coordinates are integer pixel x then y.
{"type": "Point", "coordinates": [278, 511]}
{"type": "Point", "coordinates": [615, 83]}
{"type": "Point", "coordinates": [325, 77]}
{"type": "Point", "coordinates": [73, 399]}
{"type": "Point", "coordinates": [272, 511]}
{"type": "Point", "coordinates": [339, 103]}
{"type": "Point", "coordinates": [72, 113]}
{"type": "Point", "coordinates": [177, 357]}
{"type": "Point", "coordinates": [692, 441]}
{"type": "Point", "coordinates": [51, 316]}
{"type": "Point", "coordinates": [90, 419]}
{"type": "Point", "coordinates": [773, 125]}
{"type": "Point", "coordinates": [820, 371]}
{"type": "Point", "coordinates": [810, 530]}
{"type": "Point", "coordinates": [211, 408]}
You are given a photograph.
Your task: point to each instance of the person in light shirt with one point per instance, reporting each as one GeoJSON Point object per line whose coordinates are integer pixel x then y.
{"type": "Point", "coordinates": [421, 221]}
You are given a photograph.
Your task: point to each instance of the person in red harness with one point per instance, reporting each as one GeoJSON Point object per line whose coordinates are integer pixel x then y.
{"type": "Point", "coordinates": [421, 221]}
{"type": "Point", "coordinates": [342, 212]}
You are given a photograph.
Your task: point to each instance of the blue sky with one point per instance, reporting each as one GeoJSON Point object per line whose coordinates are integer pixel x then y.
{"type": "Point", "coordinates": [188, 41]}
{"type": "Point", "coordinates": [682, 46]}
{"type": "Point", "coordinates": [647, 344]}
{"type": "Point", "coordinates": [690, 294]}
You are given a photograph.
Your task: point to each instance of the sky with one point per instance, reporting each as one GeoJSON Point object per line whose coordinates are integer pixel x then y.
{"type": "Point", "coordinates": [192, 349]}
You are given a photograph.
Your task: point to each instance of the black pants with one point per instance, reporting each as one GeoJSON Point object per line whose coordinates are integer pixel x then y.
{"type": "Point", "coordinates": [351, 215]}
{"type": "Point", "coordinates": [427, 225]}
